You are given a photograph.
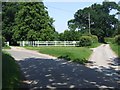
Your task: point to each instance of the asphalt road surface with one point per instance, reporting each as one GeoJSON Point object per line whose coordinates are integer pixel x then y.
{"type": "Point", "coordinates": [44, 71]}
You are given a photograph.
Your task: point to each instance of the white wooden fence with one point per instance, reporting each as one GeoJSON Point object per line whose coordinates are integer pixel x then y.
{"type": "Point", "coordinates": [48, 43]}
{"type": "Point", "coordinates": [7, 43]}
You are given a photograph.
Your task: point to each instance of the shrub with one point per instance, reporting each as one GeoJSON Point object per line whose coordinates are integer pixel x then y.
{"type": "Point", "coordinates": [3, 41]}
{"type": "Point", "coordinates": [85, 41]}
{"type": "Point", "coordinates": [117, 39]}
{"type": "Point", "coordinates": [94, 38]}
{"type": "Point", "coordinates": [109, 40]}
{"type": "Point", "coordinates": [66, 57]}
{"type": "Point", "coordinates": [81, 61]}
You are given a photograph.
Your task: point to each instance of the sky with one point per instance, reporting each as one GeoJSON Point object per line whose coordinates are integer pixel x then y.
{"type": "Point", "coordinates": [62, 12]}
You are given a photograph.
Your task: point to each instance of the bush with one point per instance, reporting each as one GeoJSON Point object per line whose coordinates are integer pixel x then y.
{"type": "Point", "coordinates": [81, 61]}
{"type": "Point", "coordinates": [3, 41]}
{"type": "Point", "coordinates": [66, 57]}
{"type": "Point", "coordinates": [10, 72]}
{"type": "Point", "coordinates": [85, 41]}
{"type": "Point", "coordinates": [117, 39]}
{"type": "Point", "coordinates": [94, 38]}
{"type": "Point", "coordinates": [110, 40]}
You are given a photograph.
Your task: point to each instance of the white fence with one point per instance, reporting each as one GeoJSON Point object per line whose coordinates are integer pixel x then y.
{"type": "Point", "coordinates": [7, 43]}
{"type": "Point", "coordinates": [48, 43]}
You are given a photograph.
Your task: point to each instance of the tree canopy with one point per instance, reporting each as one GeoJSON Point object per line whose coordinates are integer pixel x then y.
{"type": "Point", "coordinates": [102, 23]}
{"type": "Point", "coordinates": [27, 21]}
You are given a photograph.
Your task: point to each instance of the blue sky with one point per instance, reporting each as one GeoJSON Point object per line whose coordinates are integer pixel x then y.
{"type": "Point", "coordinates": [64, 11]}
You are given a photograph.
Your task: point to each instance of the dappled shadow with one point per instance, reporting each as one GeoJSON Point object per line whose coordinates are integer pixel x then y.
{"type": "Point", "coordinates": [49, 73]}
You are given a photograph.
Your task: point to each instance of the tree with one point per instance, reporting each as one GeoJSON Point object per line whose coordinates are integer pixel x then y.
{"type": "Point", "coordinates": [9, 9]}
{"type": "Point", "coordinates": [102, 23]}
{"type": "Point", "coordinates": [70, 35]}
{"type": "Point", "coordinates": [27, 21]}
{"type": "Point", "coordinates": [33, 23]}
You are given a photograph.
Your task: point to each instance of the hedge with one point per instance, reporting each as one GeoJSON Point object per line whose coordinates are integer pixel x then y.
{"type": "Point", "coordinates": [85, 41]}
{"type": "Point", "coordinates": [117, 39]}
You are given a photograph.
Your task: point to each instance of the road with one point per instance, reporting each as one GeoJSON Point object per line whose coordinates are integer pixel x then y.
{"type": "Point", "coordinates": [44, 71]}
{"type": "Point", "coordinates": [104, 58]}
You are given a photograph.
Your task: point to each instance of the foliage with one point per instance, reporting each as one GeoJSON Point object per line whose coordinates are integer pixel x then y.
{"type": "Point", "coordinates": [85, 41]}
{"type": "Point", "coordinates": [69, 53]}
{"type": "Point", "coordinates": [69, 35]}
{"type": "Point", "coordinates": [81, 61]}
{"type": "Point", "coordinates": [102, 23]}
{"type": "Point", "coordinates": [8, 19]}
{"type": "Point", "coordinates": [109, 40]}
{"type": "Point", "coordinates": [10, 73]}
{"type": "Point", "coordinates": [27, 21]}
{"type": "Point", "coordinates": [117, 39]}
{"type": "Point", "coordinates": [94, 38]}
{"type": "Point", "coordinates": [3, 41]}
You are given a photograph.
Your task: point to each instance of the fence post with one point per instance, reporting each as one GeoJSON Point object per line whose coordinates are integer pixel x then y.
{"type": "Point", "coordinates": [23, 43]}
{"type": "Point", "coordinates": [64, 43]}
{"type": "Point", "coordinates": [7, 43]}
{"type": "Point", "coordinates": [33, 43]}
{"type": "Point", "coordinates": [46, 43]}
{"type": "Point", "coordinates": [74, 42]}
{"type": "Point", "coordinates": [55, 43]}
{"type": "Point", "coordinates": [38, 43]}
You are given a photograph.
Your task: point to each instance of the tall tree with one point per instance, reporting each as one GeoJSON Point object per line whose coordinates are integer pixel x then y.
{"type": "Point", "coordinates": [102, 23]}
{"type": "Point", "coordinates": [27, 21]}
{"type": "Point", "coordinates": [33, 23]}
{"type": "Point", "coordinates": [9, 10]}
{"type": "Point", "coordinates": [70, 35]}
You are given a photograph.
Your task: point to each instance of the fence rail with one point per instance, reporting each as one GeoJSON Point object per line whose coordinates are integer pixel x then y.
{"type": "Point", "coordinates": [48, 43]}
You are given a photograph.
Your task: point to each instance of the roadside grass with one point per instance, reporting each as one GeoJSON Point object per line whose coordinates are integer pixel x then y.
{"type": "Point", "coordinates": [6, 47]}
{"type": "Point", "coordinates": [77, 54]}
{"type": "Point", "coordinates": [115, 48]}
{"type": "Point", "coordinates": [94, 45]}
{"type": "Point", "coordinates": [10, 73]}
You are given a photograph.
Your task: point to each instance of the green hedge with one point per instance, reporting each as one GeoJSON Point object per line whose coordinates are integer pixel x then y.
{"type": "Point", "coordinates": [94, 38]}
{"type": "Point", "coordinates": [117, 39]}
{"type": "Point", "coordinates": [10, 73]}
{"type": "Point", "coordinates": [85, 41]}
{"type": "Point", "coordinates": [109, 40]}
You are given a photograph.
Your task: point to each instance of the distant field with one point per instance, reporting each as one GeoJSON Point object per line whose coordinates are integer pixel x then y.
{"type": "Point", "coordinates": [74, 53]}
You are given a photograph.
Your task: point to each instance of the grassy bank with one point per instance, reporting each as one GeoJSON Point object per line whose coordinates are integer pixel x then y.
{"type": "Point", "coordinates": [10, 73]}
{"type": "Point", "coordinates": [78, 54]}
{"type": "Point", "coordinates": [115, 48]}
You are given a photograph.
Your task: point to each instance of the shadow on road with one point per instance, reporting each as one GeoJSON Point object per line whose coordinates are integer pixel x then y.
{"type": "Point", "coordinates": [49, 73]}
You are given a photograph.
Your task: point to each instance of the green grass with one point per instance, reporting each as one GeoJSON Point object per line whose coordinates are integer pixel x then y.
{"type": "Point", "coordinates": [6, 47]}
{"type": "Point", "coordinates": [80, 54]}
{"type": "Point", "coordinates": [10, 72]}
{"type": "Point", "coordinates": [94, 45]}
{"type": "Point", "coordinates": [115, 48]}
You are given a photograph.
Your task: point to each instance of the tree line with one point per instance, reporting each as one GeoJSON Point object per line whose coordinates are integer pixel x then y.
{"type": "Point", "coordinates": [31, 21]}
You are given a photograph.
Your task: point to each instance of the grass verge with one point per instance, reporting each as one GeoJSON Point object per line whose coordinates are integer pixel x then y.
{"type": "Point", "coordinates": [6, 47]}
{"type": "Point", "coordinates": [115, 48]}
{"type": "Point", "coordinates": [10, 73]}
{"type": "Point", "coordinates": [77, 54]}
{"type": "Point", "coordinates": [94, 45]}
